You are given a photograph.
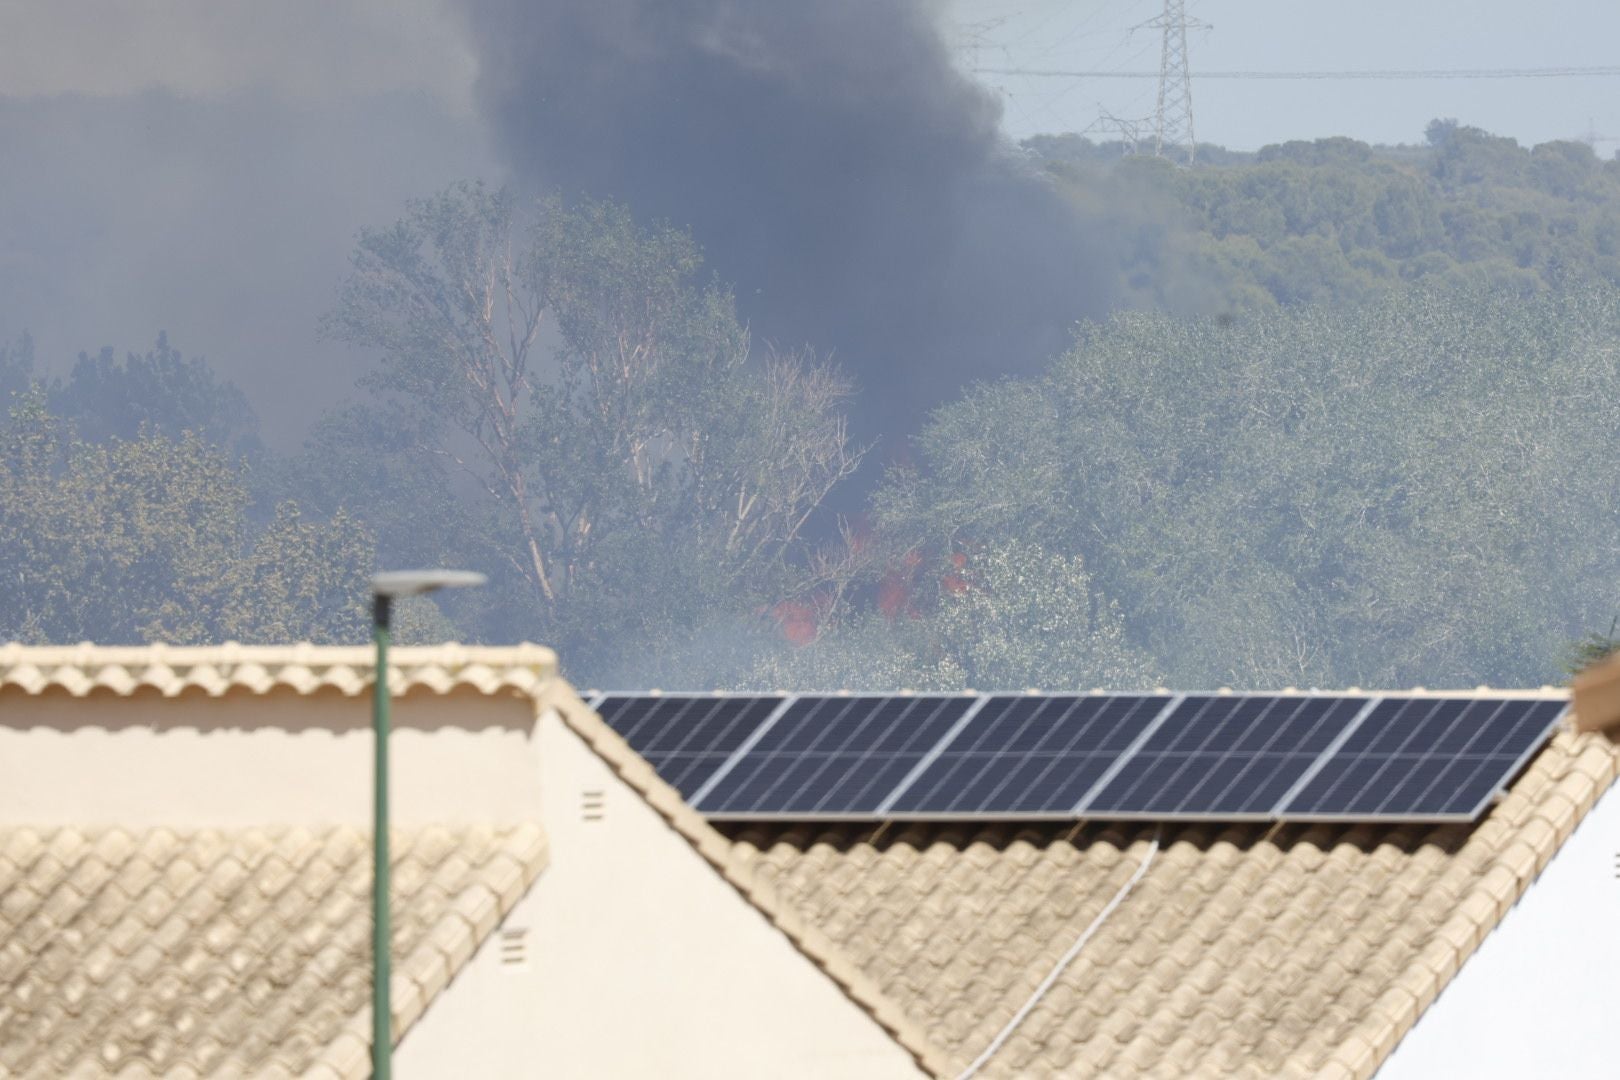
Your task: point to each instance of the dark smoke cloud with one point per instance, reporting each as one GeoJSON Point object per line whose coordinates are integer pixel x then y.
{"type": "Point", "coordinates": [830, 160]}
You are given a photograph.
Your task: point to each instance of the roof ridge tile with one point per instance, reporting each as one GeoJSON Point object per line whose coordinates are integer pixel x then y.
{"type": "Point", "coordinates": [216, 669]}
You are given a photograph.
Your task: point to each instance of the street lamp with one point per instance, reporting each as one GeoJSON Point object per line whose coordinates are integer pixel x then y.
{"type": "Point", "coordinates": [384, 588]}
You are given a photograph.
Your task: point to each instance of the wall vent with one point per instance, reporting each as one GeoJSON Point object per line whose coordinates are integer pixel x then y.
{"type": "Point", "coordinates": [514, 945]}
{"type": "Point", "coordinates": [595, 805]}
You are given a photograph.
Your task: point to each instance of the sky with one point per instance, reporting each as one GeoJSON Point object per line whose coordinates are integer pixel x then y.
{"type": "Point", "coordinates": [201, 167]}
{"type": "Point", "coordinates": [1304, 35]}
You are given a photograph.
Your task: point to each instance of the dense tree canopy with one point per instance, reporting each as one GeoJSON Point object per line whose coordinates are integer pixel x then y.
{"type": "Point", "coordinates": [147, 539]}
{"type": "Point", "coordinates": [1354, 431]}
{"type": "Point", "coordinates": [1011, 617]}
{"type": "Point", "coordinates": [638, 466]}
{"type": "Point", "coordinates": [1337, 221]}
{"type": "Point", "coordinates": [1407, 492]}
{"type": "Point", "coordinates": [160, 392]}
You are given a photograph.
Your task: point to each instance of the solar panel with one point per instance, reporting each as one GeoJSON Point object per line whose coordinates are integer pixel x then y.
{"type": "Point", "coordinates": [832, 756]}
{"type": "Point", "coordinates": [1231, 756]}
{"type": "Point", "coordinates": [1027, 755]}
{"type": "Point", "coordinates": [1290, 756]}
{"type": "Point", "coordinates": [1412, 759]}
{"type": "Point", "coordinates": [686, 738]}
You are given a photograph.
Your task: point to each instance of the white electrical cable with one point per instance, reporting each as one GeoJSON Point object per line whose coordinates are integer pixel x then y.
{"type": "Point", "coordinates": [1063, 962]}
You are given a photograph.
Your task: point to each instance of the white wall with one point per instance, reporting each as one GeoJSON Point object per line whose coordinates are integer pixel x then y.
{"type": "Point", "coordinates": [282, 758]}
{"type": "Point", "coordinates": [652, 965]}
{"type": "Point", "coordinates": [641, 960]}
{"type": "Point", "coordinates": [1540, 995]}
{"type": "Point", "coordinates": [483, 1024]}
{"type": "Point", "coordinates": [279, 758]}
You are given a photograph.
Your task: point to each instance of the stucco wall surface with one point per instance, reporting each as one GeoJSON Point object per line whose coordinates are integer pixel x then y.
{"type": "Point", "coordinates": [653, 966]}
{"type": "Point", "coordinates": [1538, 997]}
{"type": "Point", "coordinates": [279, 758]}
{"type": "Point", "coordinates": [483, 1024]}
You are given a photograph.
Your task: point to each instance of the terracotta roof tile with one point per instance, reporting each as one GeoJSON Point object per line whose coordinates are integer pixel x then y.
{"type": "Point", "coordinates": [218, 669]}
{"type": "Point", "coordinates": [225, 951]}
{"type": "Point", "coordinates": [1243, 950]}
{"type": "Point", "coordinates": [1302, 951]}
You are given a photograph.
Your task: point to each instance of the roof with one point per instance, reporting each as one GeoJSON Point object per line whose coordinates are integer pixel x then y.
{"type": "Point", "coordinates": [244, 953]}
{"type": "Point", "coordinates": [1241, 950]}
{"type": "Point", "coordinates": [190, 952]}
{"type": "Point", "coordinates": [218, 669]}
{"type": "Point", "coordinates": [1206, 950]}
{"type": "Point", "coordinates": [720, 853]}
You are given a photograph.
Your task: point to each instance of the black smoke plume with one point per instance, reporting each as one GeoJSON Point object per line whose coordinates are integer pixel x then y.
{"type": "Point", "coordinates": [830, 160]}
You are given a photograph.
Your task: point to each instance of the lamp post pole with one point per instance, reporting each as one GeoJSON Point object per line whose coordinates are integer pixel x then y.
{"type": "Point", "coordinates": [384, 588]}
{"type": "Point", "coordinates": [382, 1039]}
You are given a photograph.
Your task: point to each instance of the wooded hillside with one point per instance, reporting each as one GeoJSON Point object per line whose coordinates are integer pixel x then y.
{"type": "Point", "coordinates": [1353, 424]}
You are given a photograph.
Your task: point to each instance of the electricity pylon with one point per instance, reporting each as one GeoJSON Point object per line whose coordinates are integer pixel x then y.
{"type": "Point", "coordinates": [1129, 131]}
{"type": "Point", "coordinates": [1173, 118]}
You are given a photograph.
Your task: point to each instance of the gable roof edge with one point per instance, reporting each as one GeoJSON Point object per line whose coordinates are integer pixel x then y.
{"type": "Point", "coordinates": [1590, 773]}
{"type": "Point", "coordinates": [440, 958]}
{"type": "Point", "coordinates": [614, 751]}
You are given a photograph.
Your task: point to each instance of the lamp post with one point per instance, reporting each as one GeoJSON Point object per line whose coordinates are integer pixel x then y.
{"type": "Point", "coordinates": [384, 588]}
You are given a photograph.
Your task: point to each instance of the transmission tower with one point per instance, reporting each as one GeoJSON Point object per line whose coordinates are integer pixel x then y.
{"type": "Point", "coordinates": [1173, 118]}
{"type": "Point", "coordinates": [977, 36]}
{"type": "Point", "coordinates": [1129, 131]}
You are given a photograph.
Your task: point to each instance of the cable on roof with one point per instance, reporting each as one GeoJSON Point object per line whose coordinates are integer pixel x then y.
{"type": "Point", "coordinates": [1063, 962]}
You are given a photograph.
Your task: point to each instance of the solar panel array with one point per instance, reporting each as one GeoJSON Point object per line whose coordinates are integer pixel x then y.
{"type": "Point", "coordinates": [1427, 758]}
{"type": "Point", "coordinates": [1230, 756]}
{"type": "Point", "coordinates": [832, 755]}
{"type": "Point", "coordinates": [1029, 755]}
{"type": "Point", "coordinates": [684, 737]}
{"type": "Point", "coordinates": [1261, 757]}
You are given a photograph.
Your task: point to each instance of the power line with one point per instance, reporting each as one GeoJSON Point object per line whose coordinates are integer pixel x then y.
{"type": "Point", "coordinates": [1417, 73]}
